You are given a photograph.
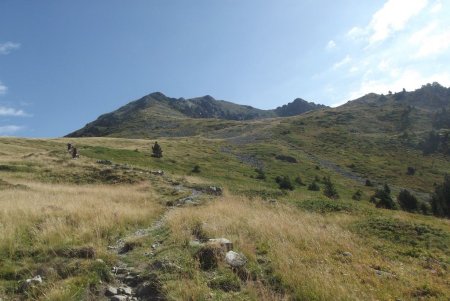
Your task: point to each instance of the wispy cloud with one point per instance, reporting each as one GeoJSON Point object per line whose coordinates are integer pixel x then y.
{"type": "Point", "coordinates": [405, 44]}
{"type": "Point", "coordinates": [409, 79]}
{"type": "Point", "coordinates": [393, 17]}
{"type": "Point", "coordinates": [331, 45]}
{"type": "Point", "coordinates": [7, 47]}
{"type": "Point", "coordinates": [342, 62]}
{"type": "Point", "coordinates": [5, 111]}
{"type": "Point", "coordinates": [431, 40]}
{"type": "Point", "coordinates": [3, 88]}
{"type": "Point", "coordinates": [10, 129]}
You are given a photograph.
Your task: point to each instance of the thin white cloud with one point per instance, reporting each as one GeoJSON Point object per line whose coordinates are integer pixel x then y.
{"type": "Point", "coordinates": [409, 79]}
{"type": "Point", "coordinates": [342, 62]}
{"type": "Point", "coordinates": [393, 17]}
{"type": "Point", "coordinates": [7, 47]}
{"type": "Point", "coordinates": [3, 88]}
{"type": "Point", "coordinates": [10, 129]}
{"type": "Point", "coordinates": [331, 45]}
{"type": "Point", "coordinates": [430, 40]}
{"type": "Point", "coordinates": [5, 111]}
{"type": "Point", "coordinates": [406, 44]}
{"type": "Point", "coordinates": [356, 33]}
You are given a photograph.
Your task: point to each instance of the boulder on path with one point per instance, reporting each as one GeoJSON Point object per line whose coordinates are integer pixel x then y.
{"type": "Point", "coordinates": [235, 260]}
{"type": "Point", "coordinates": [110, 291]}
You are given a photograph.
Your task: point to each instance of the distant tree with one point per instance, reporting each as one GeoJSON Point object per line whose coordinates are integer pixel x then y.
{"type": "Point", "coordinates": [440, 202]}
{"type": "Point", "coordinates": [284, 182]}
{"type": "Point", "coordinates": [299, 181]}
{"type": "Point", "coordinates": [196, 169]}
{"type": "Point", "coordinates": [405, 118]}
{"type": "Point", "coordinates": [431, 143]}
{"type": "Point", "coordinates": [329, 190]}
{"type": "Point", "coordinates": [313, 186]}
{"type": "Point", "coordinates": [382, 198]}
{"type": "Point", "coordinates": [261, 175]}
{"type": "Point", "coordinates": [386, 188]}
{"type": "Point", "coordinates": [441, 119]}
{"type": "Point", "coordinates": [407, 201]}
{"type": "Point", "coordinates": [156, 150]}
{"type": "Point", "coordinates": [425, 208]}
{"type": "Point", "coordinates": [357, 195]}
{"type": "Point", "coordinates": [410, 171]}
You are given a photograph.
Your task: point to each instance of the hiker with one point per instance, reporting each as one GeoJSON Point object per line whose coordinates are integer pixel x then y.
{"type": "Point", "coordinates": [69, 146]}
{"type": "Point", "coordinates": [74, 153]}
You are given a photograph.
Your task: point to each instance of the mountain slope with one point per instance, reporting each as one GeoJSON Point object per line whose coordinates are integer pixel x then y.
{"type": "Point", "coordinates": [158, 115]}
{"type": "Point", "coordinates": [297, 107]}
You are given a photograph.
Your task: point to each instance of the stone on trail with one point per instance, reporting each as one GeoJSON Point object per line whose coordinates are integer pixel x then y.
{"type": "Point", "coordinates": [125, 290]}
{"type": "Point", "coordinates": [347, 254]}
{"type": "Point", "coordinates": [235, 260]}
{"type": "Point", "coordinates": [119, 298]}
{"type": "Point", "coordinates": [110, 291]}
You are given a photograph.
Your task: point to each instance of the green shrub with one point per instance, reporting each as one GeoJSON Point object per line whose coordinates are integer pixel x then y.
{"type": "Point", "coordinates": [326, 206]}
{"type": "Point", "coordinates": [284, 182]}
{"type": "Point", "coordinates": [407, 201]}
{"type": "Point", "coordinates": [261, 175]}
{"type": "Point", "coordinates": [357, 195]}
{"type": "Point", "coordinates": [382, 198]}
{"type": "Point", "coordinates": [313, 186]}
{"type": "Point", "coordinates": [440, 202]}
{"type": "Point", "coordinates": [329, 189]}
{"type": "Point", "coordinates": [196, 169]}
{"type": "Point", "coordinates": [299, 181]}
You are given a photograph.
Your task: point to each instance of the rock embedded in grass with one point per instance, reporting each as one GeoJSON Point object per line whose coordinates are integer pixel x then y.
{"type": "Point", "coordinates": [224, 243]}
{"type": "Point", "coordinates": [235, 260]}
{"type": "Point", "coordinates": [30, 282]}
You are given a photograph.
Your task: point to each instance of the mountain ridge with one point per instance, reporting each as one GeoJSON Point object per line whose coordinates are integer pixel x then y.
{"type": "Point", "coordinates": [156, 109]}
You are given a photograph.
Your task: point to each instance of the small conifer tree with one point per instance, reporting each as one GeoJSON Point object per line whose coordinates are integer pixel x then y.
{"type": "Point", "coordinates": [329, 189]}
{"type": "Point", "coordinates": [157, 150]}
{"type": "Point", "coordinates": [407, 201]}
{"type": "Point", "coordinates": [440, 202]}
{"type": "Point", "coordinates": [313, 186]}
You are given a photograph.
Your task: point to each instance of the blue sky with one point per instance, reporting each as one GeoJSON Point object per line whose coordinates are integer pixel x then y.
{"type": "Point", "coordinates": [63, 63]}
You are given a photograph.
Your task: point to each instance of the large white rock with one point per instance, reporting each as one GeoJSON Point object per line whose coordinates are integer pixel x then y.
{"type": "Point", "coordinates": [34, 280]}
{"type": "Point", "coordinates": [235, 260]}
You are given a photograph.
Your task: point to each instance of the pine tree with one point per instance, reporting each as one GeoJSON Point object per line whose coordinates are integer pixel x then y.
{"type": "Point", "coordinates": [382, 198]}
{"type": "Point", "coordinates": [440, 202]}
{"type": "Point", "coordinates": [407, 201]}
{"type": "Point", "coordinates": [329, 189]}
{"type": "Point", "coordinates": [156, 150]}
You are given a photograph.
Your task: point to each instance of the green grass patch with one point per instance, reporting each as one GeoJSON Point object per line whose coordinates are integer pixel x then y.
{"type": "Point", "coordinates": [327, 206]}
{"type": "Point", "coordinates": [405, 233]}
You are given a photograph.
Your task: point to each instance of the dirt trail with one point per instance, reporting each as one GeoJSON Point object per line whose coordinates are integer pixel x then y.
{"type": "Point", "coordinates": [133, 282]}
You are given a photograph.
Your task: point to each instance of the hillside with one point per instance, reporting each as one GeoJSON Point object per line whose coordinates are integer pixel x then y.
{"type": "Point", "coordinates": [111, 224]}
{"type": "Point", "coordinates": [118, 222]}
{"type": "Point", "coordinates": [158, 115]}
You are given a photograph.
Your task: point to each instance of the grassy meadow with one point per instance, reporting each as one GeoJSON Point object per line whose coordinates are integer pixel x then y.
{"type": "Point", "coordinates": [59, 215]}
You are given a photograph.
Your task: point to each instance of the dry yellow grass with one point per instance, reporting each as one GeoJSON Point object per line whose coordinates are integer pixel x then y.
{"type": "Point", "coordinates": [49, 216]}
{"type": "Point", "coordinates": [305, 250]}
